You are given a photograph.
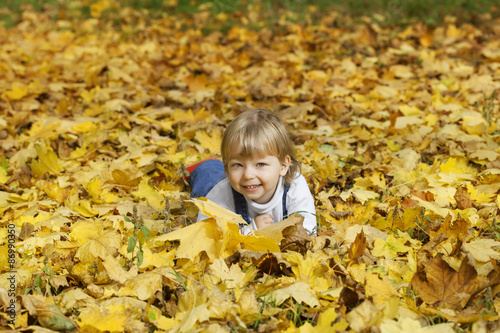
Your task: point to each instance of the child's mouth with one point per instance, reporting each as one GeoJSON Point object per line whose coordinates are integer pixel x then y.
{"type": "Point", "coordinates": [251, 187]}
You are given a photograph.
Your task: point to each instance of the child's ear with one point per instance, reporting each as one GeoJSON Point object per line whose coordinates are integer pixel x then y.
{"type": "Point", "coordinates": [285, 165]}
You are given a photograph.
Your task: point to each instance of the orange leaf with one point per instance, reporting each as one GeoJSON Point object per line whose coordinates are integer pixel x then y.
{"type": "Point", "coordinates": [439, 284]}
{"type": "Point", "coordinates": [358, 247]}
{"type": "Point", "coordinates": [462, 197]}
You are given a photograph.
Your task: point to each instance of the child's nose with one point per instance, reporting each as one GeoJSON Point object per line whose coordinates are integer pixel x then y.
{"type": "Point", "coordinates": [249, 173]}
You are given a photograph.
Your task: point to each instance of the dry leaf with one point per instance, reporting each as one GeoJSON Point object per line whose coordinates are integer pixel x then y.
{"type": "Point", "coordinates": [438, 284]}
{"type": "Point", "coordinates": [358, 247]}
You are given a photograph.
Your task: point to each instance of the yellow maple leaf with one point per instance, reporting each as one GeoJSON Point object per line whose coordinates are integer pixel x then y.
{"type": "Point", "coordinates": [407, 221]}
{"type": "Point", "coordinates": [390, 248]}
{"type": "Point", "coordinates": [480, 198]}
{"type": "Point", "coordinates": [360, 194]}
{"type": "Point", "coordinates": [231, 277]}
{"type": "Point", "coordinates": [99, 247]}
{"type": "Point", "coordinates": [410, 110]}
{"type": "Point", "coordinates": [457, 165]}
{"type": "Point", "coordinates": [311, 269]}
{"type": "Point", "coordinates": [364, 316]}
{"type": "Point", "coordinates": [152, 260]}
{"type": "Point", "coordinates": [154, 198]}
{"type": "Point", "coordinates": [299, 291]}
{"type": "Point", "coordinates": [248, 307]}
{"type": "Point", "coordinates": [98, 193]}
{"type": "Point", "coordinates": [227, 222]}
{"type": "Point", "coordinates": [404, 324]}
{"type": "Point", "coordinates": [145, 285]}
{"type": "Point", "coordinates": [155, 317]}
{"type": "Point", "coordinates": [394, 147]}
{"type": "Point", "coordinates": [47, 162]}
{"type": "Point", "coordinates": [84, 127]}
{"type": "Point", "coordinates": [194, 239]}
{"type": "Point", "coordinates": [84, 208]}
{"type": "Point", "coordinates": [189, 117]}
{"type": "Point", "coordinates": [189, 320]}
{"type": "Point", "coordinates": [18, 92]}
{"type": "Point", "coordinates": [210, 141]}
{"type": "Point", "coordinates": [55, 192]}
{"type": "Point", "coordinates": [217, 237]}
{"type": "Point", "coordinates": [83, 231]}
{"type": "Point", "coordinates": [115, 269]}
{"type": "Point", "coordinates": [380, 290]}
{"type": "Point", "coordinates": [102, 321]}
{"type": "Point", "coordinates": [483, 249]}
{"type": "Point", "coordinates": [275, 231]}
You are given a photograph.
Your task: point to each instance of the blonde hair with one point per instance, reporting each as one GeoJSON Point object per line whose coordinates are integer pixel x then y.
{"type": "Point", "coordinates": [259, 133]}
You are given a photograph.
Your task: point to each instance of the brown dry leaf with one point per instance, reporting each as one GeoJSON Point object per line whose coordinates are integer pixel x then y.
{"type": "Point", "coordinates": [26, 230]}
{"type": "Point", "coordinates": [268, 264]}
{"type": "Point", "coordinates": [295, 238]}
{"type": "Point", "coordinates": [439, 285]}
{"type": "Point", "coordinates": [457, 229]}
{"type": "Point", "coordinates": [358, 247]}
{"type": "Point", "coordinates": [462, 198]}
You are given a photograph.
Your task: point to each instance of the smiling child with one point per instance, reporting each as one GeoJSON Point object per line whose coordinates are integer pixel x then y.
{"type": "Point", "coordinates": [259, 176]}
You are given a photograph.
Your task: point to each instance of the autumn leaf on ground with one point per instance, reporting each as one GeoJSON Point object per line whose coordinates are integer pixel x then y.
{"type": "Point", "coordinates": [99, 247]}
{"type": "Point", "coordinates": [47, 162]}
{"type": "Point", "coordinates": [358, 247]}
{"type": "Point", "coordinates": [295, 237]}
{"type": "Point", "coordinates": [462, 197]}
{"type": "Point", "coordinates": [48, 315]}
{"type": "Point", "coordinates": [299, 291]}
{"type": "Point", "coordinates": [439, 284]}
{"type": "Point", "coordinates": [268, 264]}
{"type": "Point", "coordinates": [211, 142]}
{"type": "Point", "coordinates": [457, 229]}
{"type": "Point", "coordinates": [483, 249]}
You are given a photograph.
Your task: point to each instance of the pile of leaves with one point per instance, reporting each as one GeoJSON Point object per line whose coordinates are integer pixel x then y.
{"type": "Point", "coordinates": [397, 129]}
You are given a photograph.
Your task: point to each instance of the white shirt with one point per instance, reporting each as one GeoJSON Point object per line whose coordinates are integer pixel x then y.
{"type": "Point", "coordinates": [298, 199]}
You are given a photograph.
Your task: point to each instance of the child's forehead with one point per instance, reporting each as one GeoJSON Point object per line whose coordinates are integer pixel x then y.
{"type": "Point", "coordinates": [237, 150]}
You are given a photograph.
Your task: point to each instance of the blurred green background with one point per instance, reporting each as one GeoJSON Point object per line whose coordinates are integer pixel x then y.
{"type": "Point", "coordinates": [385, 12]}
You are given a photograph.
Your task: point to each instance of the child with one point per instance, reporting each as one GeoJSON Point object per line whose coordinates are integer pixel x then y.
{"type": "Point", "coordinates": [263, 182]}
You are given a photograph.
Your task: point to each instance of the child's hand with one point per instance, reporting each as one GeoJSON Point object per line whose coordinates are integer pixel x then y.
{"type": "Point", "coordinates": [263, 220]}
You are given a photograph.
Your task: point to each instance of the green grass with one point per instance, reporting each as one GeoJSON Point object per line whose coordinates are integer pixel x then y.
{"type": "Point", "coordinates": [387, 12]}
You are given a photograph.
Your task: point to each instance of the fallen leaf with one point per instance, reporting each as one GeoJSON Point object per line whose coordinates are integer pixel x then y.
{"type": "Point", "coordinates": [358, 247]}
{"type": "Point", "coordinates": [47, 162]}
{"type": "Point", "coordinates": [462, 198]}
{"type": "Point", "coordinates": [483, 249]}
{"type": "Point", "coordinates": [48, 315]}
{"type": "Point", "coordinates": [438, 284]}
{"type": "Point", "coordinates": [299, 291]}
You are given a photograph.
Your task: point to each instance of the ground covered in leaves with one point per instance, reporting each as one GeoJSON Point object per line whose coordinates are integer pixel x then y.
{"type": "Point", "coordinates": [397, 129]}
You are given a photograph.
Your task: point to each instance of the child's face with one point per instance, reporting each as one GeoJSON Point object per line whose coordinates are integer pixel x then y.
{"type": "Point", "coordinates": [256, 177]}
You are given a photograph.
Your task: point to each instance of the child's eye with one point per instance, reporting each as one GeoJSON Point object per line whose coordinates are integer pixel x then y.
{"type": "Point", "coordinates": [237, 165]}
{"type": "Point", "coordinates": [260, 165]}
